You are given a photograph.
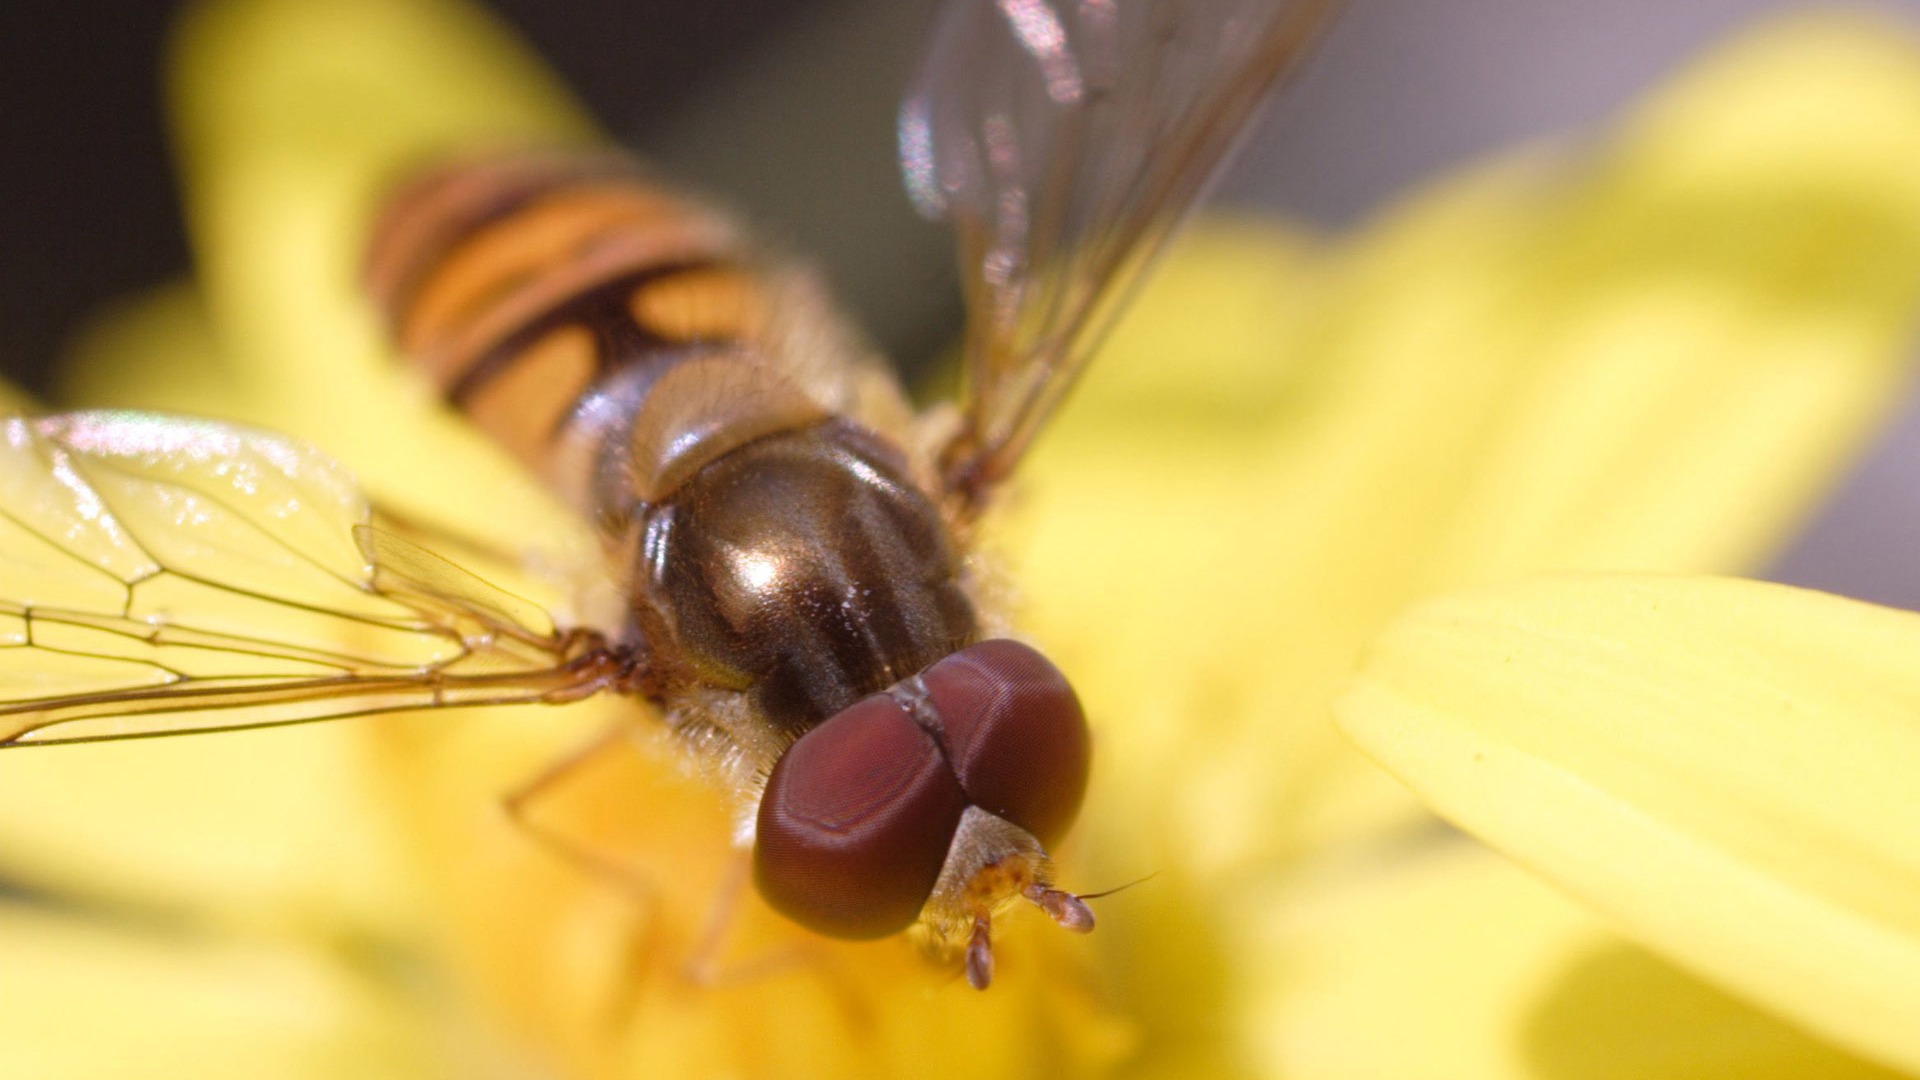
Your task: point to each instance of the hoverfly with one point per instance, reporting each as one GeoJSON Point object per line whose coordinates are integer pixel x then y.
{"type": "Point", "coordinates": [786, 535]}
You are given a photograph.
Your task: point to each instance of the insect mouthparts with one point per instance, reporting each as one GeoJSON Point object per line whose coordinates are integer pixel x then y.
{"type": "Point", "coordinates": [1062, 907]}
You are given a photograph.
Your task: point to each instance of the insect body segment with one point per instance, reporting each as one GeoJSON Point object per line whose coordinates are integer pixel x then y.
{"type": "Point", "coordinates": [786, 572]}
{"type": "Point", "coordinates": [777, 549]}
{"type": "Point", "coordinates": [804, 565]}
{"type": "Point", "coordinates": [521, 285]}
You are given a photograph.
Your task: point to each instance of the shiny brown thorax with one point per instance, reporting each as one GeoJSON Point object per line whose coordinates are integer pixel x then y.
{"type": "Point", "coordinates": [707, 414]}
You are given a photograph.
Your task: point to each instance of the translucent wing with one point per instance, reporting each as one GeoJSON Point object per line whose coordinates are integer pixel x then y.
{"type": "Point", "coordinates": [154, 568]}
{"type": "Point", "coordinates": [1063, 139]}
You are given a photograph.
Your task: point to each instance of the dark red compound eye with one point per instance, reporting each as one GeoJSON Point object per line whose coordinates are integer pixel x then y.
{"type": "Point", "coordinates": [1015, 733]}
{"type": "Point", "coordinates": [855, 823]}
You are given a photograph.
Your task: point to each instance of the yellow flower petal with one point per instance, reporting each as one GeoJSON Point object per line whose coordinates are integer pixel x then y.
{"type": "Point", "coordinates": [279, 827]}
{"type": "Point", "coordinates": [1460, 964]}
{"type": "Point", "coordinates": [273, 827]}
{"type": "Point", "coordinates": [603, 975]}
{"type": "Point", "coordinates": [280, 181]}
{"type": "Point", "coordinates": [1557, 362]}
{"type": "Point", "coordinates": [1727, 768]}
{"type": "Point", "coordinates": [294, 119]}
{"type": "Point", "coordinates": [155, 351]}
{"type": "Point", "coordinates": [283, 827]}
{"type": "Point", "coordinates": [84, 1002]}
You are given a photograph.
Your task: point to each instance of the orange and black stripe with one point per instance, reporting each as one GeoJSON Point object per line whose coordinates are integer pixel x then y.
{"type": "Point", "coordinates": [519, 283]}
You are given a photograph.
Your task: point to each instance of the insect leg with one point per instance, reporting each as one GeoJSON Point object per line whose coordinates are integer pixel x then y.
{"type": "Point", "coordinates": [584, 857]}
{"type": "Point", "coordinates": [704, 967]}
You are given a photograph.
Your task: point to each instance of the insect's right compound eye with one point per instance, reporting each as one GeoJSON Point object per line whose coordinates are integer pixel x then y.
{"type": "Point", "coordinates": [856, 822]}
{"type": "Point", "coordinates": [1015, 734]}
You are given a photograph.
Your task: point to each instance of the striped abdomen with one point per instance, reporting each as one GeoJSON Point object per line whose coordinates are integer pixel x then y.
{"type": "Point", "coordinates": [518, 284]}
{"type": "Point", "coordinates": [617, 340]}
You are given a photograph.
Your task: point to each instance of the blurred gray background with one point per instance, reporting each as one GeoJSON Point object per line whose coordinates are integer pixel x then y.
{"type": "Point", "coordinates": [785, 110]}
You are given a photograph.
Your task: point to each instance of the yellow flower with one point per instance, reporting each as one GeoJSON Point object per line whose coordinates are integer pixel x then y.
{"type": "Point", "coordinates": [1725, 769]}
{"type": "Point", "coordinates": [1563, 361]}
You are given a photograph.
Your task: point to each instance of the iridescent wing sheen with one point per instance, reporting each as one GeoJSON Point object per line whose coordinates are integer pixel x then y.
{"type": "Point", "coordinates": [160, 575]}
{"type": "Point", "coordinates": [1063, 140]}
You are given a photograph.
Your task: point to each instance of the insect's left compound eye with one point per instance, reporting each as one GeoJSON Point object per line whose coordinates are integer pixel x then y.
{"type": "Point", "coordinates": [855, 823]}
